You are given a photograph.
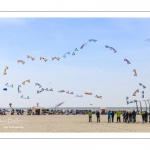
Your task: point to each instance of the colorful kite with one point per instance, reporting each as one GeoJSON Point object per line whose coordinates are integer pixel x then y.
{"type": "Point", "coordinates": [19, 89]}
{"type": "Point", "coordinates": [5, 89]}
{"type": "Point", "coordinates": [90, 40]}
{"type": "Point", "coordinates": [59, 104]}
{"type": "Point", "coordinates": [55, 58]}
{"type": "Point", "coordinates": [127, 61]}
{"type": "Point", "coordinates": [70, 92]}
{"type": "Point", "coordinates": [60, 91]}
{"type": "Point", "coordinates": [83, 45]}
{"type": "Point", "coordinates": [40, 91]}
{"type": "Point", "coordinates": [98, 97]}
{"type": "Point", "coordinates": [27, 97]}
{"type": "Point", "coordinates": [48, 89]}
{"type": "Point", "coordinates": [37, 84]}
{"type": "Point", "coordinates": [43, 59]}
{"type": "Point", "coordinates": [88, 93]}
{"type": "Point", "coordinates": [9, 85]}
{"type": "Point", "coordinates": [32, 58]}
{"type": "Point", "coordinates": [4, 73]}
{"type": "Point", "coordinates": [23, 62]}
{"type": "Point", "coordinates": [135, 74]}
{"type": "Point", "coordinates": [111, 48]}
{"type": "Point", "coordinates": [79, 95]}
{"type": "Point", "coordinates": [26, 81]}
{"type": "Point", "coordinates": [66, 54]}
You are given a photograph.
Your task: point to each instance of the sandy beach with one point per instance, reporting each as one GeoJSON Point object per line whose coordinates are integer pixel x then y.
{"type": "Point", "coordinates": [67, 123]}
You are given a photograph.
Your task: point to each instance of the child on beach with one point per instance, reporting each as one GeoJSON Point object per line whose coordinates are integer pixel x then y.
{"type": "Point", "coordinates": [90, 116]}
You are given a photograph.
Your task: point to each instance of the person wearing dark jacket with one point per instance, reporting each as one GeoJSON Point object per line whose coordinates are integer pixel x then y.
{"type": "Point", "coordinates": [112, 116]}
{"type": "Point", "coordinates": [134, 116]}
{"type": "Point", "coordinates": [98, 116]}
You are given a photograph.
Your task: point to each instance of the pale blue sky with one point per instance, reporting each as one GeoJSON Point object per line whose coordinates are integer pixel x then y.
{"type": "Point", "coordinates": [48, 37]}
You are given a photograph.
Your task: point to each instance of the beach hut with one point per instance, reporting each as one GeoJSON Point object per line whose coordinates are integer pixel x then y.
{"type": "Point", "coordinates": [102, 110]}
{"type": "Point", "coordinates": [37, 110]}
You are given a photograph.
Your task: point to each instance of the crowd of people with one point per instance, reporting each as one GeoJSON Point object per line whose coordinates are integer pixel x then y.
{"type": "Point", "coordinates": [128, 116]}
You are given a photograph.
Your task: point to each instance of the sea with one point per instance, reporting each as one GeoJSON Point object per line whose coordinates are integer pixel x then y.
{"type": "Point", "coordinates": [83, 108]}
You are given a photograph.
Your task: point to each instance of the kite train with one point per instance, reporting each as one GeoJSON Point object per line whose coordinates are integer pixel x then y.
{"type": "Point", "coordinates": [74, 51]}
{"type": "Point", "coordinates": [83, 45]}
{"type": "Point", "coordinates": [79, 95]}
{"type": "Point", "coordinates": [40, 91]}
{"type": "Point", "coordinates": [90, 40]}
{"type": "Point", "coordinates": [60, 91]}
{"type": "Point", "coordinates": [55, 58]}
{"type": "Point", "coordinates": [98, 97]}
{"type": "Point", "coordinates": [59, 104]}
{"type": "Point", "coordinates": [88, 93]}
{"type": "Point", "coordinates": [48, 89]}
{"type": "Point", "coordinates": [70, 92]}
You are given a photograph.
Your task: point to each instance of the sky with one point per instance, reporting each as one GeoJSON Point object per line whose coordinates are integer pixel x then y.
{"type": "Point", "coordinates": [93, 69]}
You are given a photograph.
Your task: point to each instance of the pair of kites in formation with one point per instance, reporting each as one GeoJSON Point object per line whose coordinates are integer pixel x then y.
{"type": "Point", "coordinates": [134, 94]}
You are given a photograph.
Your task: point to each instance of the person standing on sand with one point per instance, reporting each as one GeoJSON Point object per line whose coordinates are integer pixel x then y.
{"type": "Point", "coordinates": [109, 114]}
{"type": "Point", "coordinates": [90, 116]}
{"type": "Point", "coordinates": [118, 115]}
{"type": "Point", "coordinates": [98, 116]}
{"type": "Point", "coordinates": [112, 116]}
{"type": "Point", "coordinates": [143, 116]}
{"type": "Point", "coordinates": [134, 116]}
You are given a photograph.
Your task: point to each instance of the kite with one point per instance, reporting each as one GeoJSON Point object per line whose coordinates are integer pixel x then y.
{"type": "Point", "coordinates": [55, 58]}
{"type": "Point", "coordinates": [40, 91]}
{"type": "Point", "coordinates": [9, 85]}
{"type": "Point", "coordinates": [137, 90]}
{"type": "Point", "coordinates": [142, 85]}
{"type": "Point", "coordinates": [19, 89]}
{"type": "Point", "coordinates": [134, 94]}
{"type": "Point", "coordinates": [79, 95]}
{"type": "Point", "coordinates": [98, 97]}
{"type": "Point", "coordinates": [135, 74]}
{"type": "Point", "coordinates": [4, 73]}
{"type": "Point", "coordinates": [38, 85]}
{"type": "Point", "coordinates": [135, 101]}
{"type": "Point", "coordinates": [48, 89]}
{"type": "Point", "coordinates": [142, 96]}
{"type": "Point", "coordinates": [83, 45]}
{"type": "Point", "coordinates": [59, 104]}
{"type": "Point", "coordinates": [128, 102]}
{"type": "Point", "coordinates": [60, 91]}
{"type": "Point", "coordinates": [128, 62]}
{"type": "Point", "coordinates": [142, 92]}
{"type": "Point", "coordinates": [25, 81]}
{"type": "Point", "coordinates": [90, 40]}
{"type": "Point", "coordinates": [24, 97]}
{"type": "Point", "coordinates": [10, 105]}
{"type": "Point", "coordinates": [32, 58]}
{"type": "Point", "coordinates": [127, 97]}
{"type": "Point", "coordinates": [111, 48]}
{"type": "Point", "coordinates": [88, 93]}
{"type": "Point", "coordinates": [70, 92]}
{"type": "Point", "coordinates": [148, 40]}
{"type": "Point", "coordinates": [66, 54]}
{"type": "Point", "coordinates": [5, 89]}
{"type": "Point", "coordinates": [43, 59]}
{"type": "Point", "coordinates": [91, 104]}
{"type": "Point", "coordinates": [74, 51]}
{"type": "Point", "coordinates": [23, 62]}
